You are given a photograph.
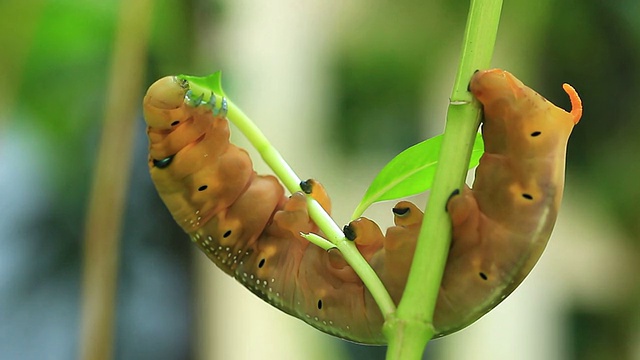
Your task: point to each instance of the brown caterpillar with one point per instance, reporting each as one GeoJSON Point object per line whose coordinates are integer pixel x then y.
{"type": "Point", "coordinates": [246, 225]}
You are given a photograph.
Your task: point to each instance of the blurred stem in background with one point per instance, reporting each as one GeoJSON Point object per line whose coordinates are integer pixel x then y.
{"type": "Point", "coordinates": [110, 180]}
{"type": "Point", "coordinates": [16, 48]}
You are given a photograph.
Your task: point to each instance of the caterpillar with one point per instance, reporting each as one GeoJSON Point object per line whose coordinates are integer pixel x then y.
{"type": "Point", "coordinates": [250, 229]}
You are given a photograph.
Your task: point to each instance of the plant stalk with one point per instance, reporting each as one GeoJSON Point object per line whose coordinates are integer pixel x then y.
{"type": "Point", "coordinates": [110, 182]}
{"type": "Point", "coordinates": [411, 327]}
{"type": "Point", "coordinates": [331, 230]}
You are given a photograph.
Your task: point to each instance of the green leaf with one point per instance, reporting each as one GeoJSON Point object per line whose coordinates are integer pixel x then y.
{"type": "Point", "coordinates": [410, 173]}
{"type": "Point", "coordinates": [205, 84]}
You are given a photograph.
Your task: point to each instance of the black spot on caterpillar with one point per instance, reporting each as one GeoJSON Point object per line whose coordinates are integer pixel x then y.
{"type": "Point", "coordinates": [246, 225]}
{"type": "Point", "coordinates": [163, 163]}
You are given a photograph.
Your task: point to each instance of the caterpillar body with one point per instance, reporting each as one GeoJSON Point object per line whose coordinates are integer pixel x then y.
{"type": "Point", "coordinates": [247, 226]}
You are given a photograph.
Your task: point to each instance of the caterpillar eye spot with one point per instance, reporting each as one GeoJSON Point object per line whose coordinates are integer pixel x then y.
{"type": "Point", "coordinates": [306, 186]}
{"type": "Point", "coordinates": [535, 133]}
{"type": "Point", "coordinates": [175, 123]}
{"type": "Point", "coordinates": [527, 196]}
{"type": "Point", "coordinates": [261, 263]}
{"type": "Point", "coordinates": [163, 163]}
{"type": "Point", "coordinates": [203, 188]}
{"type": "Point", "coordinates": [319, 304]}
{"type": "Point", "coordinates": [483, 276]}
{"type": "Point", "coordinates": [227, 234]}
{"type": "Point", "coordinates": [401, 211]}
{"type": "Point", "coordinates": [349, 233]}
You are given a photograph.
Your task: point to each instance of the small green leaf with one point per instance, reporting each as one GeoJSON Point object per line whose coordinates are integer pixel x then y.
{"type": "Point", "coordinates": [205, 84]}
{"type": "Point", "coordinates": [410, 173]}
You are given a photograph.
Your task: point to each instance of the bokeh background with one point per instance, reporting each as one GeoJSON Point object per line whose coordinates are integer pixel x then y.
{"type": "Point", "coordinates": [339, 87]}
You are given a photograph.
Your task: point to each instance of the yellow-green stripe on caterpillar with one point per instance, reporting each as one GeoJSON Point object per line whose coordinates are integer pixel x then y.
{"type": "Point", "coordinates": [246, 225]}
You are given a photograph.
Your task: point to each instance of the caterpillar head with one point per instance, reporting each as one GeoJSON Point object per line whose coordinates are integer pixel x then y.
{"type": "Point", "coordinates": [163, 102]}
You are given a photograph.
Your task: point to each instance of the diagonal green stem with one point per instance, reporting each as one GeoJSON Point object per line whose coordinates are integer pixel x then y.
{"type": "Point", "coordinates": [276, 162]}
{"type": "Point", "coordinates": [412, 326]}
{"type": "Point", "coordinates": [291, 181]}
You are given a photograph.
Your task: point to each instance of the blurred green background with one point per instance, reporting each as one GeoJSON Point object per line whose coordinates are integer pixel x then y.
{"type": "Point", "coordinates": [332, 83]}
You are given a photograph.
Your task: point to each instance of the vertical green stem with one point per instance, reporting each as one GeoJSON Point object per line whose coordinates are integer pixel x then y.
{"type": "Point", "coordinates": [412, 326]}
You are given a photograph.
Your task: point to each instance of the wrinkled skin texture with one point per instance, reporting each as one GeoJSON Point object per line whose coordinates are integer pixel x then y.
{"type": "Point", "coordinates": [246, 225]}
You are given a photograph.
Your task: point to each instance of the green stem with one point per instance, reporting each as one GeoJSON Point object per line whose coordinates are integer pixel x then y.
{"type": "Point", "coordinates": [202, 89]}
{"type": "Point", "coordinates": [318, 241]}
{"type": "Point", "coordinates": [324, 221]}
{"type": "Point", "coordinates": [409, 330]}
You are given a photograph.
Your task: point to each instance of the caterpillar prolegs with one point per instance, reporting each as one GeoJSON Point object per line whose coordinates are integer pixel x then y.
{"type": "Point", "coordinates": [247, 226]}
